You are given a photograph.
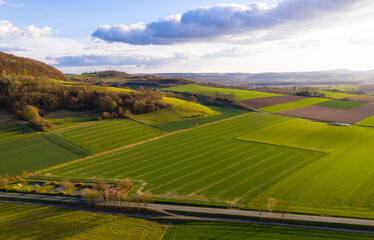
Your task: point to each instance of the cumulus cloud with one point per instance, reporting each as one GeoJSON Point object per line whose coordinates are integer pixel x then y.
{"type": "Point", "coordinates": [224, 20]}
{"type": "Point", "coordinates": [9, 31]}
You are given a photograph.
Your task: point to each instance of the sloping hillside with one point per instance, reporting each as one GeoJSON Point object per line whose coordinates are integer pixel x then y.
{"type": "Point", "coordinates": [13, 65]}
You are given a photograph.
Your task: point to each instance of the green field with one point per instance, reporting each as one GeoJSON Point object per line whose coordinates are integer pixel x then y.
{"type": "Point", "coordinates": [340, 183]}
{"type": "Point", "coordinates": [11, 131]}
{"type": "Point", "coordinates": [25, 221]}
{"type": "Point", "coordinates": [337, 95]}
{"type": "Point", "coordinates": [66, 118]}
{"type": "Point", "coordinates": [195, 230]}
{"type": "Point", "coordinates": [223, 113]}
{"type": "Point", "coordinates": [203, 164]}
{"type": "Point", "coordinates": [32, 153]}
{"type": "Point", "coordinates": [347, 105]}
{"type": "Point", "coordinates": [239, 94]}
{"type": "Point", "coordinates": [109, 134]}
{"type": "Point", "coordinates": [345, 88]}
{"type": "Point", "coordinates": [367, 122]}
{"type": "Point", "coordinates": [180, 110]}
{"type": "Point", "coordinates": [293, 105]}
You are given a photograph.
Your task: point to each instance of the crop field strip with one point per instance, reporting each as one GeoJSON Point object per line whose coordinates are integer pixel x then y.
{"type": "Point", "coordinates": [247, 231]}
{"type": "Point", "coordinates": [340, 183]}
{"type": "Point", "coordinates": [293, 105]}
{"type": "Point", "coordinates": [109, 134]}
{"type": "Point", "coordinates": [239, 94]}
{"type": "Point", "coordinates": [224, 112]}
{"type": "Point", "coordinates": [26, 221]}
{"type": "Point", "coordinates": [169, 163]}
{"type": "Point", "coordinates": [31, 153]}
{"type": "Point", "coordinates": [13, 131]}
{"type": "Point", "coordinates": [339, 104]}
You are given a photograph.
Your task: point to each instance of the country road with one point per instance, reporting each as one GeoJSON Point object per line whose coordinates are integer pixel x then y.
{"type": "Point", "coordinates": [230, 213]}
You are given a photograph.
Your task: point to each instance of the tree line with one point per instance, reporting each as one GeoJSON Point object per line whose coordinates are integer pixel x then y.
{"type": "Point", "coordinates": [31, 98]}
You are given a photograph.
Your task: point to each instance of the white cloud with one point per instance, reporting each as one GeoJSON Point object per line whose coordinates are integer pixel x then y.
{"type": "Point", "coordinates": [2, 2]}
{"type": "Point", "coordinates": [9, 31]}
{"type": "Point", "coordinates": [225, 21]}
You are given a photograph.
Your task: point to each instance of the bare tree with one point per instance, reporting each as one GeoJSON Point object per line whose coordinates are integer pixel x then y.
{"type": "Point", "coordinates": [67, 185]}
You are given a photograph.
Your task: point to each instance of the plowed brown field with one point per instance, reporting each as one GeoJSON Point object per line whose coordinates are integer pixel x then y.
{"type": "Point", "coordinates": [331, 114]}
{"type": "Point", "coordinates": [270, 101]}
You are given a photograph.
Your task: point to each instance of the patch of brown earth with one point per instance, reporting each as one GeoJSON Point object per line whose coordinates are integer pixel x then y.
{"type": "Point", "coordinates": [331, 114]}
{"type": "Point", "coordinates": [361, 98]}
{"type": "Point", "coordinates": [270, 101]}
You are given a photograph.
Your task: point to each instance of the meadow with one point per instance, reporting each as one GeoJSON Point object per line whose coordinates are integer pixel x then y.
{"type": "Point", "coordinates": [338, 95]}
{"type": "Point", "coordinates": [346, 88]}
{"type": "Point", "coordinates": [100, 136]}
{"type": "Point", "coordinates": [193, 230]}
{"type": "Point", "coordinates": [211, 91]}
{"type": "Point", "coordinates": [223, 112]}
{"type": "Point", "coordinates": [67, 118]}
{"type": "Point", "coordinates": [337, 184]}
{"type": "Point", "coordinates": [205, 163]}
{"type": "Point", "coordinates": [293, 105]}
{"type": "Point", "coordinates": [26, 221]}
{"type": "Point", "coordinates": [32, 153]}
{"type": "Point", "coordinates": [347, 105]}
{"type": "Point", "coordinates": [11, 131]}
{"type": "Point", "coordinates": [367, 122]}
{"type": "Point", "coordinates": [180, 110]}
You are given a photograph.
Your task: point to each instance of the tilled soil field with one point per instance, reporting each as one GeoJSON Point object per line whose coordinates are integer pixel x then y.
{"type": "Point", "coordinates": [270, 101]}
{"type": "Point", "coordinates": [331, 114]}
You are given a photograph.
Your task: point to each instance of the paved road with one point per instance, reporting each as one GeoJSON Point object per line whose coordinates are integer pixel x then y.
{"type": "Point", "coordinates": [231, 213]}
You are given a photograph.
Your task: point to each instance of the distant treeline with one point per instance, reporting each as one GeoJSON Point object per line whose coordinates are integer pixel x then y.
{"type": "Point", "coordinates": [11, 65]}
{"type": "Point", "coordinates": [116, 79]}
{"type": "Point", "coordinates": [16, 93]}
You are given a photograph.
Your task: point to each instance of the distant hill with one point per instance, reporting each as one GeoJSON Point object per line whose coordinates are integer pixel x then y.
{"type": "Point", "coordinates": [117, 78]}
{"type": "Point", "coordinates": [339, 76]}
{"type": "Point", "coordinates": [13, 65]}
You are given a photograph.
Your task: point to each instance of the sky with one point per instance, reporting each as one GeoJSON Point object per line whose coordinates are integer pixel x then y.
{"type": "Point", "coordinates": [162, 36]}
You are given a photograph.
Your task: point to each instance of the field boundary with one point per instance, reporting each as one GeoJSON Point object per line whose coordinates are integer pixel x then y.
{"type": "Point", "coordinates": [278, 145]}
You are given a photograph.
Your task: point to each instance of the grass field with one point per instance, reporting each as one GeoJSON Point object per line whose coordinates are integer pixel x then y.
{"type": "Point", "coordinates": [109, 134]}
{"type": "Point", "coordinates": [11, 131]}
{"type": "Point", "coordinates": [201, 164]}
{"type": "Point", "coordinates": [22, 221]}
{"type": "Point", "coordinates": [347, 105]}
{"type": "Point", "coordinates": [367, 122]}
{"type": "Point", "coordinates": [195, 230]}
{"type": "Point", "coordinates": [239, 94]}
{"type": "Point", "coordinates": [180, 110]}
{"type": "Point", "coordinates": [31, 153]}
{"type": "Point", "coordinates": [66, 118]}
{"type": "Point", "coordinates": [293, 105]}
{"type": "Point", "coordinates": [337, 95]}
{"type": "Point", "coordinates": [223, 113]}
{"type": "Point", "coordinates": [345, 87]}
{"type": "Point", "coordinates": [340, 183]}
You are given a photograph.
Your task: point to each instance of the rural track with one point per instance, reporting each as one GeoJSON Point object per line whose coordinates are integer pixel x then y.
{"type": "Point", "coordinates": [130, 145]}
{"type": "Point", "coordinates": [163, 208]}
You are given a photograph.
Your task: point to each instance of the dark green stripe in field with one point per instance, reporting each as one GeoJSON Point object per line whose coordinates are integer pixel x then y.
{"type": "Point", "coordinates": [12, 131]}
{"type": "Point", "coordinates": [339, 104]}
